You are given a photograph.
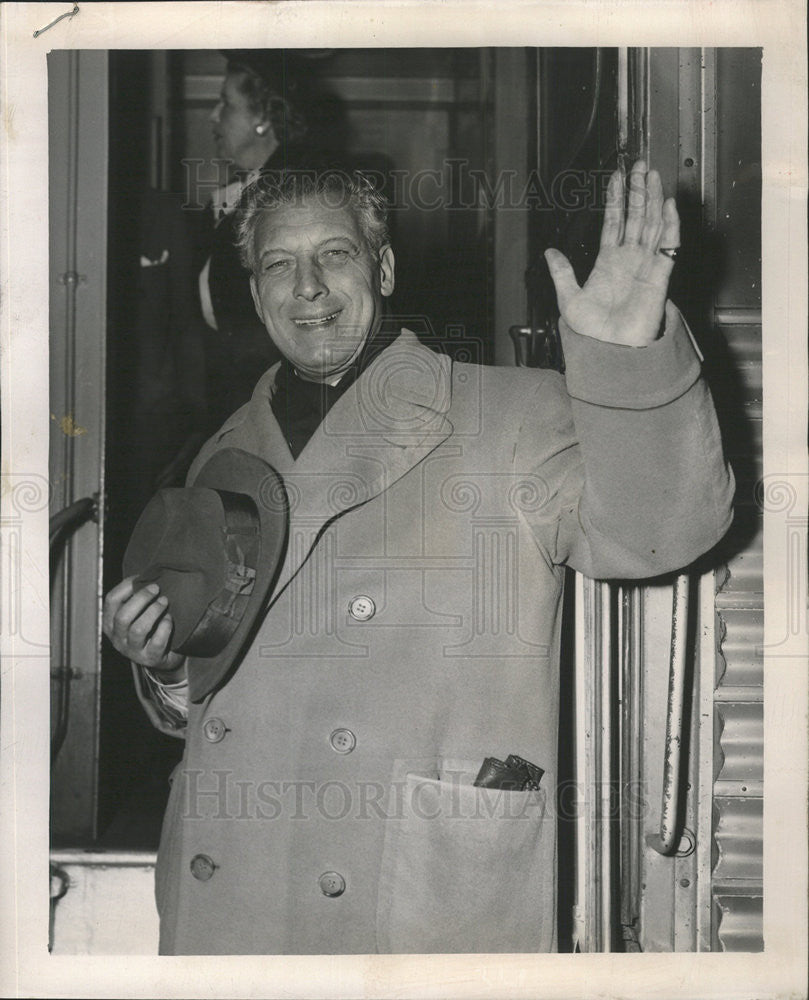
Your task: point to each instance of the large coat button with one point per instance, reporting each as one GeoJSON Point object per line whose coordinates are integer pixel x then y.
{"type": "Point", "coordinates": [361, 608]}
{"type": "Point", "coordinates": [343, 740]}
{"type": "Point", "coordinates": [202, 867]}
{"type": "Point", "coordinates": [332, 884]}
{"type": "Point", "coordinates": [214, 729]}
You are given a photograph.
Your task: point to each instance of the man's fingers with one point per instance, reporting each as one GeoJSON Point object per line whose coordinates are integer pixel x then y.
{"type": "Point", "coordinates": [129, 609]}
{"type": "Point", "coordinates": [133, 615]}
{"type": "Point", "coordinates": [636, 209]}
{"type": "Point", "coordinates": [157, 645]}
{"type": "Point", "coordinates": [670, 235]}
{"type": "Point", "coordinates": [653, 222]}
{"type": "Point", "coordinates": [613, 229]}
{"type": "Point", "coordinates": [564, 279]}
{"type": "Point", "coordinates": [113, 601]}
{"type": "Point", "coordinates": [138, 623]}
{"type": "Point", "coordinates": [142, 628]}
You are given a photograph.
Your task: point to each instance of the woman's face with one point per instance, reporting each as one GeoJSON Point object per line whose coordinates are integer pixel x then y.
{"type": "Point", "coordinates": [235, 124]}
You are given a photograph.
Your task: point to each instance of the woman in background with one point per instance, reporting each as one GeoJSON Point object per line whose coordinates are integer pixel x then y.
{"type": "Point", "coordinates": [271, 115]}
{"type": "Point", "coordinates": [268, 117]}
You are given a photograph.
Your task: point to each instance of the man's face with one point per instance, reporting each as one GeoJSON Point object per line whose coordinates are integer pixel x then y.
{"type": "Point", "coordinates": [318, 286]}
{"type": "Point", "coordinates": [234, 126]}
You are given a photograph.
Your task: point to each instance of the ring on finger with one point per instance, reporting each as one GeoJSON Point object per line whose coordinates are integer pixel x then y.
{"type": "Point", "coordinates": [671, 252]}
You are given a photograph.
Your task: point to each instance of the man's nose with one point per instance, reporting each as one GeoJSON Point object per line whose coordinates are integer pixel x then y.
{"type": "Point", "coordinates": [309, 283]}
{"type": "Point", "coordinates": [213, 117]}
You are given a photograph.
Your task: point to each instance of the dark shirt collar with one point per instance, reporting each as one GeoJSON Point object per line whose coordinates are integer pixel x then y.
{"type": "Point", "coordinates": [300, 406]}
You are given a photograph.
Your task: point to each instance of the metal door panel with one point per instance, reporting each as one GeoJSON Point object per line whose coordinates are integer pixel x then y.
{"type": "Point", "coordinates": [78, 233]}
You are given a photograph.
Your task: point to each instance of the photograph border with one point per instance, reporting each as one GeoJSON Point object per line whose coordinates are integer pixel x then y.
{"type": "Point", "coordinates": [779, 27]}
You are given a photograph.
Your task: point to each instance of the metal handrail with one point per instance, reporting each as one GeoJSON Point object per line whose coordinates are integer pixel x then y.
{"type": "Point", "coordinates": [667, 840]}
{"type": "Point", "coordinates": [71, 517]}
{"type": "Point", "coordinates": [60, 526]}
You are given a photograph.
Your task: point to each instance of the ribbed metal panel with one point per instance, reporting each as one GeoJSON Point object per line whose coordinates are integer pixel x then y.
{"type": "Point", "coordinates": [739, 919]}
{"type": "Point", "coordinates": [738, 835]}
{"type": "Point", "coordinates": [743, 576]}
{"type": "Point", "coordinates": [740, 760]}
{"type": "Point", "coordinates": [738, 661]}
{"type": "Point", "coordinates": [737, 875]}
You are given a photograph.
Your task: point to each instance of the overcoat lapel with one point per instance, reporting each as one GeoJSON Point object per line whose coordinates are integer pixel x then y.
{"type": "Point", "coordinates": [390, 419]}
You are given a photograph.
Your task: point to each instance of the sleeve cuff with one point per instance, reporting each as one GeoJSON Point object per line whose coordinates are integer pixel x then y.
{"type": "Point", "coordinates": [165, 704]}
{"type": "Point", "coordinates": [632, 378]}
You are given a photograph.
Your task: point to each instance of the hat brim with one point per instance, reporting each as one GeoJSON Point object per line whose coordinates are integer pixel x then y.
{"type": "Point", "coordinates": [241, 472]}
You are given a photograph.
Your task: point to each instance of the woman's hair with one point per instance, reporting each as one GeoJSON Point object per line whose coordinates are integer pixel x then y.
{"type": "Point", "coordinates": [276, 94]}
{"type": "Point", "coordinates": [333, 188]}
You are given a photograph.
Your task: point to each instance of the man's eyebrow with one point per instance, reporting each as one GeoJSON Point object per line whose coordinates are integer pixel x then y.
{"type": "Point", "coordinates": [329, 239]}
{"type": "Point", "coordinates": [271, 250]}
{"type": "Point", "coordinates": [339, 239]}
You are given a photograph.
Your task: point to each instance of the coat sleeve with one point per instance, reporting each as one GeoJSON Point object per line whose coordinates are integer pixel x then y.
{"type": "Point", "coordinates": [636, 484]}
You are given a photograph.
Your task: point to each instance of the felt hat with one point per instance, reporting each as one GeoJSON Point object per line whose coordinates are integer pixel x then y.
{"type": "Point", "coordinates": [214, 549]}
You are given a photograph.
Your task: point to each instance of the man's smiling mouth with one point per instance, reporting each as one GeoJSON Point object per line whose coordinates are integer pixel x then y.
{"type": "Point", "coordinates": [315, 321]}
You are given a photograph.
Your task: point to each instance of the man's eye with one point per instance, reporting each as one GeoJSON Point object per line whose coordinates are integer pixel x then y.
{"type": "Point", "coordinates": [274, 265]}
{"type": "Point", "coordinates": [336, 255]}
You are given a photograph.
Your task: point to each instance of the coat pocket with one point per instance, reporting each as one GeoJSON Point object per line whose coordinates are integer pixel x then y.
{"type": "Point", "coordinates": [467, 869]}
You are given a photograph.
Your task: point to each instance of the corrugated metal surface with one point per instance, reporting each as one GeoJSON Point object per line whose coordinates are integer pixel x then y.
{"type": "Point", "coordinates": [741, 577]}
{"type": "Point", "coordinates": [738, 833]}
{"type": "Point", "coordinates": [738, 920]}
{"type": "Point", "coordinates": [739, 764]}
{"type": "Point", "coordinates": [737, 877]}
{"type": "Point", "coordinates": [738, 661]}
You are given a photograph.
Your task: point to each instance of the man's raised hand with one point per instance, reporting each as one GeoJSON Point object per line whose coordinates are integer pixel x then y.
{"type": "Point", "coordinates": [622, 301]}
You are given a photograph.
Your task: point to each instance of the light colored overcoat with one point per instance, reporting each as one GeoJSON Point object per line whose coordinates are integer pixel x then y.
{"type": "Point", "coordinates": [325, 800]}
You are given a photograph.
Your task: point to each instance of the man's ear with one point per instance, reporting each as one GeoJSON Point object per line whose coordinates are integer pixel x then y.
{"type": "Point", "coordinates": [386, 269]}
{"type": "Point", "coordinates": [256, 299]}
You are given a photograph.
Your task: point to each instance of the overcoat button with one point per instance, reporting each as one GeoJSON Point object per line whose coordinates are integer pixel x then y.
{"type": "Point", "coordinates": [214, 729]}
{"type": "Point", "coordinates": [202, 867]}
{"type": "Point", "coordinates": [362, 608]}
{"type": "Point", "coordinates": [343, 740]}
{"type": "Point", "coordinates": [332, 884]}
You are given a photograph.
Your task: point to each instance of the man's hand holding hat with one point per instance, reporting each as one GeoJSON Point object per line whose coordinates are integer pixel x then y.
{"type": "Point", "coordinates": [198, 568]}
{"type": "Point", "coordinates": [138, 624]}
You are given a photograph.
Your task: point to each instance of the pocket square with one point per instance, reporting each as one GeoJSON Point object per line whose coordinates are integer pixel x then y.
{"type": "Point", "coordinates": [514, 774]}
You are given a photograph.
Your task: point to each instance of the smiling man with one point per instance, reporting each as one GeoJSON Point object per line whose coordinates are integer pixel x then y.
{"type": "Point", "coordinates": [317, 283]}
{"type": "Point", "coordinates": [372, 769]}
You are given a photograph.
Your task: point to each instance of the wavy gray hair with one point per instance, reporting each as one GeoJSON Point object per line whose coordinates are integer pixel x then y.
{"type": "Point", "coordinates": [333, 188]}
